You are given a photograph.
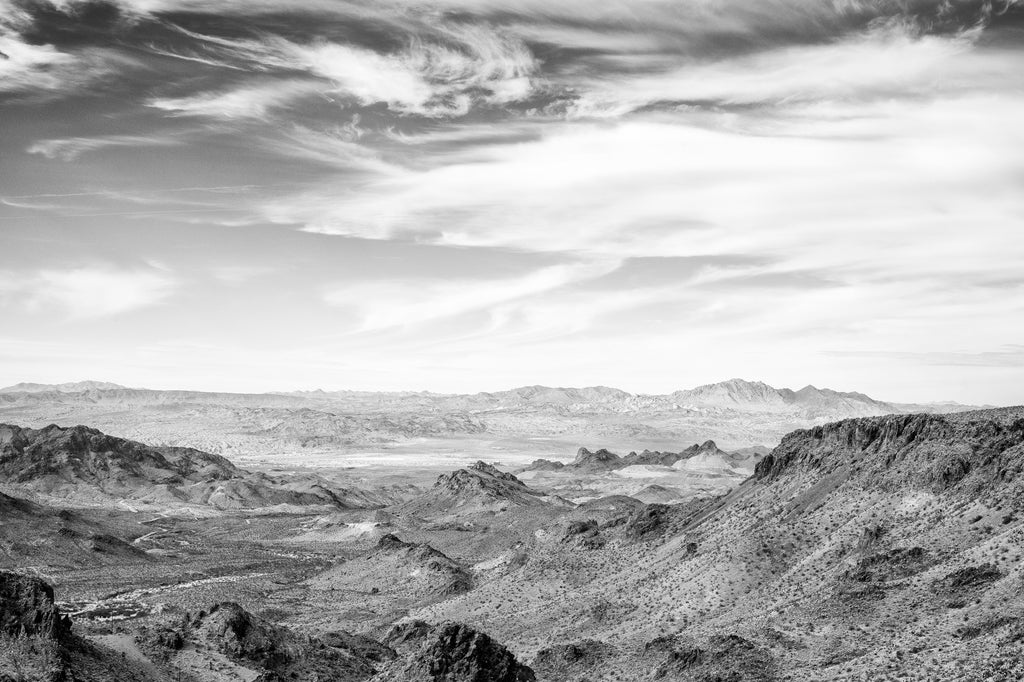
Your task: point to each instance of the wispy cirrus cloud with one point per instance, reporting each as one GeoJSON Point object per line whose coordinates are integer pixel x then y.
{"type": "Point", "coordinates": [408, 303]}
{"type": "Point", "coordinates": [43, 69]}
{"type": "Point", "coordinates": [252, 101]}
{"type": "Point", "coordinates": [440, 74]}
{"type": "Point", "coordinates": [70, 148]}
{"type": "Point", "coordinates": [440, 187]}
{"type": "Point", "coordinates": [86, 292]}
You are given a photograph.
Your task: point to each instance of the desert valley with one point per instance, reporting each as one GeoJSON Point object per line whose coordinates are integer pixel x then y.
{"type": "Point", "coordinates": [389, 340]}
{"type": "Point", "coordinates": [214, 537]}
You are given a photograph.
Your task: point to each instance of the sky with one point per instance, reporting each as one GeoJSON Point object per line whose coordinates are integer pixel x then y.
{"type": "Point", "coordinates": [465, 195]}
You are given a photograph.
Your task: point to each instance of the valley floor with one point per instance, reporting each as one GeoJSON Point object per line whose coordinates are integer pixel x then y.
{"type": "Point", "coordinates": [883, 549]}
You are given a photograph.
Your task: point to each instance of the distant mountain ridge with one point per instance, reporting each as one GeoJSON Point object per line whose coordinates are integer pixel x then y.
{"type": "Point", "coordinates": [70, 387]}
{"type": "Point", "coordinates": [736, 414]}
{"type": "Point", "coordinates": [737, 393]}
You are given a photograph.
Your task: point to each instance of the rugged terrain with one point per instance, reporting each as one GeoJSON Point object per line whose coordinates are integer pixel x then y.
{"type": "Point", "coordinates": [82, 465]}
{"type": "Point", "coordinates": [872, 548]}
{"type": "Point", "coordinates": [515, 426]}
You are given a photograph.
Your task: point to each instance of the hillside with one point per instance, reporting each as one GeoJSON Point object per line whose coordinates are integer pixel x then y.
{"type": "Point", "coordinates": [874, 548]}
{"type": "Point", "coordinates": [81, 465]}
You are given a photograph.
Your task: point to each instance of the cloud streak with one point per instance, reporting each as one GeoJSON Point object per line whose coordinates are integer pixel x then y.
{"type": "Point", "coordinates": [70, 148]}
{"type": "Point", "coordinates": [87, 292]}
{"type": "Point", "coordinates": [410, 303]}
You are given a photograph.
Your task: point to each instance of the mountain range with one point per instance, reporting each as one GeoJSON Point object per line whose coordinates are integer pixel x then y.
{"type": "Point", "coordinates": [527, 422]}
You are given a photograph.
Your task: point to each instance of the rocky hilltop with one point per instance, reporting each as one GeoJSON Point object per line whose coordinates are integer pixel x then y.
{"type": "Point", "coordinates": [449, 652]}
{"type": "Point", "coordinates": [477, 489]}
{"type": "Point", "coordinates": [85, 466]}
{"type": "Point", "coordinates": [969, 453]}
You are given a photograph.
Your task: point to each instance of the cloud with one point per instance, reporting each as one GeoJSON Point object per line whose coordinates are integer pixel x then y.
{"type": "Point", "coordinates": [887, 61]}
{"type": "Point", "coordinates": [681, 185]}
{"type": "Point", "coordinates": [37, 60]}
{"type": "Point", "coordinates": [441, 73]}
{"type": "Point", "coordinates": [70, 148]}
{"type": "Point", "coordinates": [254, 101]}
{"type": "Point", "coordinates": [407, 303]}
{"type": "Point", "coordinates": [28, 67]}
{"type": "Point", "coordinates": [87, 292]}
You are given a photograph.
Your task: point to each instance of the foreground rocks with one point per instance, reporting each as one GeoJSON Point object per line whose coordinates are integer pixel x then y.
{"type": "Point", "coordinates": [27, 608]}
{"type": "Point", "coordinates": [450, 652]}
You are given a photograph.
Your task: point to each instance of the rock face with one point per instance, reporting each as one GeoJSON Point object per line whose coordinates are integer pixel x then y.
{"type": "Point", "coordinates": [451, 652]}
{"type": "Point", "coordinates": [923, 451]}
{"type": "Point", "coordinates": [27, 608]}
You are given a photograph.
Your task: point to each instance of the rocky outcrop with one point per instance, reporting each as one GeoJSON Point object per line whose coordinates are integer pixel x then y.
{"type": "Point", "coordinates": [276, 652]}
{"type": "Point", "coordinates": [722, 657]}
{"type": "Point", "coordinates": [27, 608]}
{"type": "Point", "coordinates": [920, 450]}
{"type": "Point", "coordinates": [586, 534]}
{"type": "Point", "coordinates": [481, 478]}
{"type": "Point", "coordinates": [450, 652]}
{"type": "Point", "coordinates": [603, 460]}
{"type": "Point", "coordinates": [655, 457]}
{"type": "Point", "coordinates": [573, 659]}
{"type": "Point", "coordinates": [243, 636]}
{"type": "Point", "coordinates": [451, 576]}
{"type": "Point", "coordinates": [544, 465]}
{"type": "Point", "coordinates": [647, 521]}
{"type": "Point", "coordinates": [480, 487]}
{"type": "Point", "coordinates": [596, 461]}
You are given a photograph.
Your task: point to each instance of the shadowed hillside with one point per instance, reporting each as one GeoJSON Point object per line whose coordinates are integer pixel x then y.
{"type": "Point", "coordinates": [81, 465]}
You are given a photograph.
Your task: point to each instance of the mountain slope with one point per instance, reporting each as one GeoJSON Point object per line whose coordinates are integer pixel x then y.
{"type": "Point", "coordinates": [878, 548]}
{"type": "Point", "coordinates": [83, 465]}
